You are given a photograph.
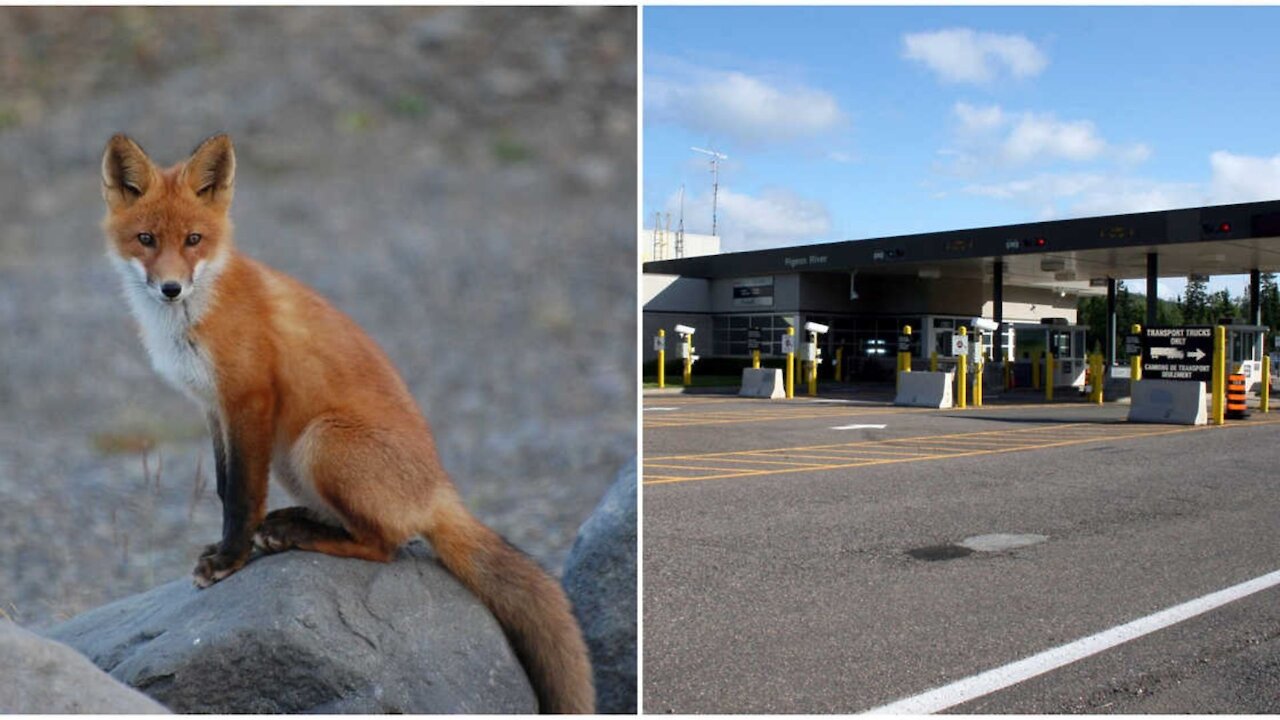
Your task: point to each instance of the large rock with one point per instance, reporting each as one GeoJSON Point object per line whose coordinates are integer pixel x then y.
{"type": "Point", "coordinates": [303, 632]}
{"type": "Point", "coordinates": [41, 676]}
{"type": "Point", "coordinates": [600, 579]}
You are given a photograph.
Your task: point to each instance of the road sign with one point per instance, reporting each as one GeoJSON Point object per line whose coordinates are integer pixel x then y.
{"type": "Point", "coordinates": [959, 345]}
{"type": "Point", "coordinates": [1178, 353]}
{"type": "Point", "coordinates": [659, 343]}
{"type": "Point", "coordinates": [1132, 344]}
{"type": "Point", "coordinates": [753, 338]}
{"type": "Point", "coordinates": [904, 343]}
{"type": "Point", "coordinates": [788, 344]}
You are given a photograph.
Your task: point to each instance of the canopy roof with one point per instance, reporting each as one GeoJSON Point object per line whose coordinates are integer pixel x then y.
{"type": "Point", "coordinates": [1063, 254]}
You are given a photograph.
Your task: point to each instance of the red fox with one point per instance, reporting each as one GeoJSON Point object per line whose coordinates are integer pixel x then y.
{"type": "Point", "coordinates": [293, 386]}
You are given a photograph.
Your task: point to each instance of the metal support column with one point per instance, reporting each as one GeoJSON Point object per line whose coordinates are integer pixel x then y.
{"type": "Point", "coordinates": [997, 312]}
{"type": "Point", "coordinates": [1153, 303]}
{"type": "Point", "coordinates": [1109, 346]}
{"type": "Point", "coordinates": [1255, 297]}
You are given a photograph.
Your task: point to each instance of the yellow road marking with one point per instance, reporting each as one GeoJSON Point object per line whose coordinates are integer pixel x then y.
{"type": "Point", "coordinates": [801, 412]}
{"type": "Point", "coordinates": [854, 454]}
{"type": "Point", "coordinates": [837, 446]}
{"type": "Point", "coordinates": [1133, 434]}
{"type": "Point", "coordinates": [738, 458]}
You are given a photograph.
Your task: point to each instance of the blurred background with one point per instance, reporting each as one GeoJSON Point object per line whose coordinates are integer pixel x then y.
{"type": "Point", "coordinates": [460, 181]}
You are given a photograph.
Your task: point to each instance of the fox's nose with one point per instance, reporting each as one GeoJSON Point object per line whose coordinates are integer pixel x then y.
{"type": "Point", "coordinates": [171, 290]}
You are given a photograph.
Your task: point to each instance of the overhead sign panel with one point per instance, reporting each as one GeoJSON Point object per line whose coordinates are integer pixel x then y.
{"type": "Point", "coordinates": [753, 292]}
{"type": "Point", "coordinates": [1178, 353]}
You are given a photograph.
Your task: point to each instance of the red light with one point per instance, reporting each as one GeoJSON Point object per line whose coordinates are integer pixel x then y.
{"type": "Point", "coordinates": [1224, 227]}
{"type": "Point", "coordinates": [1039, 242]}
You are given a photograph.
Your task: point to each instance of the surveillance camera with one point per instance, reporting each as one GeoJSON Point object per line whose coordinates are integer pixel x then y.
{"type": "Point", "coordinates": [816, 327]}
{"type": "Point", "coordinates": [684, 330]}
{"type": "Point", "coordinates": [985, 324]}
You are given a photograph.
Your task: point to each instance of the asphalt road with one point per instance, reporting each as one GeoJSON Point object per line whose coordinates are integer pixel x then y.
{"type": "Point", "coordinates": [777, 577]}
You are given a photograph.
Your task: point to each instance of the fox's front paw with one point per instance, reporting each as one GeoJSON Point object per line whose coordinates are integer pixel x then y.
{"type": "Point", "coordinates": [217, 565]}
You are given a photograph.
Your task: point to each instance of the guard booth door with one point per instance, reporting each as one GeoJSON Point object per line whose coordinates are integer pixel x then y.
{"type": "Point", "coordinates": [1245, 344]}
{"type": "Point", "coordinates": [1066, 342]}
{"type": "Point", "coordinates": [1069, 361]}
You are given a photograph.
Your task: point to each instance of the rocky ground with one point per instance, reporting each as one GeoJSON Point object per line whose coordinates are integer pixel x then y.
{"type": "Point", "coordinates": [462, 182]}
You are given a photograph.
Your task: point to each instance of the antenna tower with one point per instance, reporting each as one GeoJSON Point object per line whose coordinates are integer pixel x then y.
{"type": "Point", "coordinates": [715, 180]}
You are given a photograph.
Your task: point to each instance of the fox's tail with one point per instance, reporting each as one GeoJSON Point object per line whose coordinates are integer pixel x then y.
{"type": "Point", "coordinates": [529, 605]}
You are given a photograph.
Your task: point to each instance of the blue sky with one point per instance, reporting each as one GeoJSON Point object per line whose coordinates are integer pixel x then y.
{"type": "Point", "coordinates": [844, 123]}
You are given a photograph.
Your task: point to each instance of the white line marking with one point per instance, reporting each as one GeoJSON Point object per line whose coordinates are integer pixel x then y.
{"type": "Point", "coordinates": [659, 409]}
{"type": "Point", "coordinates": [999, 678]}
{"type": "Point", "coordinates": [858, 427]}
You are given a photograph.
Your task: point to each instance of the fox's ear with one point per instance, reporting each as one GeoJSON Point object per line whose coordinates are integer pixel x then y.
{"type": "Point", "coordinates": [127, 172]}
{"type": "Point", "coordinates": [210, 172]}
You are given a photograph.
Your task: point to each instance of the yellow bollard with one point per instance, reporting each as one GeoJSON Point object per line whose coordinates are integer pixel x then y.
{"type": "Point", "coordinates": [1098, 378]}
{"type": "Point", "coordinates": [1048, 377]}
{"type": "Point", "coordinates": [688, 360]}
{"type": "Point", "coordinates": [962, 375]}
{"type": "Point", "coordinates": [755, 359]}
{"type": "Point", "coordinates": [662, 358]}
{"type": "Point", "coordinates": [839, 364]}
{"type": "Point", "coordinates": [1135, 361]}
{"type": "Point", "coordinates": [933, 361]}
{"type": "Point", "coordinates": [904, 357]}
{"type": "Point", "coordinates": [1264, 403]}
{"type": "Point", "coordinates": [978, 367]}
{"type": "Point", "coordinates": [813, 365]}
{"type": "Point", "coordinates": [1219, 375]}
{"type": "Point", "coordinates": [791, 366]}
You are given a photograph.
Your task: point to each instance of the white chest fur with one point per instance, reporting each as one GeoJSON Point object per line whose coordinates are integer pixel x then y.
{"type": "Point", "coordinates": [166, 334]}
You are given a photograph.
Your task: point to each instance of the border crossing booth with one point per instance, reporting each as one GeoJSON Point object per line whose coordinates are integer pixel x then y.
{"type": "Point", "coordinates": [1245, 347]}
{"type": "Point", "coordinates": [1065, 341]}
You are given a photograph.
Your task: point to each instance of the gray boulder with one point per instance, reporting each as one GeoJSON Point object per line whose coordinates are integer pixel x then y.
{"type": "Point", "coordinates": [600, 579]}
{"type": "Point", "coordinates": [45, 677]}
{"type": "Point", "coordinates": [303, 632]}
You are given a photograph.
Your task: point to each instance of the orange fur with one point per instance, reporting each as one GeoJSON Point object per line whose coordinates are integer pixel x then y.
{"type": "Point", "coordinates": [294, 385]}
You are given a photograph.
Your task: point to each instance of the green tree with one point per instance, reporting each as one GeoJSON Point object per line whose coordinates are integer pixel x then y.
{"type": "Point", "coordinates": [1220, 307]}
{"type": "Point", "coordinates": [1270, 295]}
{"type": "Point", "coordinates": [1195, 302]}
{"type": "Point", "coordinates": [1128, 310]}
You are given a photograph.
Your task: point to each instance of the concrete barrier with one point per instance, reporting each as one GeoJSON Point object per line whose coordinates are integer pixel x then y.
{"type": "Point", "coordinates": [1176, 402]}
{"type": "Point", "coordinates": [762, 382]}
{"type": "Point", "coordinates": [924, 389]}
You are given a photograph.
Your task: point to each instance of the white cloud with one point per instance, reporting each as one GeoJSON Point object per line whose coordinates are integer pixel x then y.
{"type": "Point", "coordinates": [1043, 136]}
{"type": "Point", "coordinates": [990, 133]}
{"type": "Point", "coordinates": [773, 218]}
{"type": "Point", "coordinates": [977, 120]}
{"type": "Point", "coordinates": [1057, 195]}
{"type": "Point", "coordinates": [961, 55]}
{"type": "Point", "coordinates": [1241, 178]}
{"type": "Point", "coordinates": [740, 107]}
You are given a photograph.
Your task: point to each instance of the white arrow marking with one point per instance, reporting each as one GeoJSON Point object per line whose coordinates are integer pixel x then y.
{"type": "Point", "coordinates": [858, 427]}
{"type": "Point", "coordinates": [659, 409]}
{"type": "Point", "coordinates": [1198, 354]}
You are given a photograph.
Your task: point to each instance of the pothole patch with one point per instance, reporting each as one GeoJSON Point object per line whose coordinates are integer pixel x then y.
{"type": "Point", "coordinates": [940, 552]}
{"type": "Point", "coordinates": [997, 542]}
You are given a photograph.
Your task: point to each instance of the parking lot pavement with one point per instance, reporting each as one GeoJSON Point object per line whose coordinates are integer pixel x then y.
{"type": "Point", "coordinates": [793, 567]}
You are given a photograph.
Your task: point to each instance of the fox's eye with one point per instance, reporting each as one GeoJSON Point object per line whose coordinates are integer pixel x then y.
{"type": "Point", "coordinates": [147, 239]}
{"type": "Point", "coordinates": [193, 239]}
